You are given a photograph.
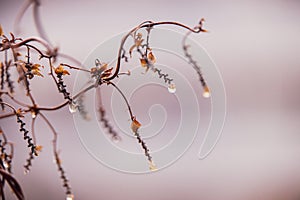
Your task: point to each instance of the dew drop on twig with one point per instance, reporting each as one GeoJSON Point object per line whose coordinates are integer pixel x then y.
{"type": "Point", "coordinates": [206, 92]}
{"type": "Point", "coordinates": [72, 107]}
{"type": "Point", "coordinates": [172, 88]}
{"type": "Point", "coordinates": [5, 164]}
{"type": "Point", "coordinates": [33, 114]}
{"type": "Point", "coordinates": [70, 197]}
{"type": "Point", "coordinates": [152, 167]}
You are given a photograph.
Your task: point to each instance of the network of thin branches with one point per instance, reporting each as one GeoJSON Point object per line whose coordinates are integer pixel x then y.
{"type": "Point", "coordinates": [21, 63]}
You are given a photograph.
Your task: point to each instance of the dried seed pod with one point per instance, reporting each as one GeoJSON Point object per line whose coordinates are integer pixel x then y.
{"type": "Point", "coordinates": [61, 71]}
{"type": "Point", "coordinates": [135, 125]}
{"type": "Point", "coordinates": [151, 57]}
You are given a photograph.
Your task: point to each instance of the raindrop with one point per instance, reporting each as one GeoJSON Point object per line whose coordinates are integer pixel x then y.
{"type": "Point", "coordinates": [172, 88]}
{"type": "Point", "coordinates": [70, 197]}
{"type": "Point", "coordinates": [33, 114]}
{"type": "Point", "coordinates": [5, 164]}
{"type": "Point", "coordinates": [206, 92]}
{"type": "Point", "coordinates": [152, 166]}
{"type": "Point", "coordinates": [72, 107]}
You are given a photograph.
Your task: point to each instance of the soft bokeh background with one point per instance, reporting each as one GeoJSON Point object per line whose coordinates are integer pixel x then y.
{"type": "Point", "coordinates": [255, 44]}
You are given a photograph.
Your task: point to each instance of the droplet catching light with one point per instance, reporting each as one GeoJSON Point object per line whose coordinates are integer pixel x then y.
{"type": "Point", "coordinates": [172, 88]}
{"type": "Point", "coordinates": [5, 164]}
{"type": "Point", "coordinates": [206, 92]}
{"type": "Point", "coordinates": [70, 197]}
{"type": "Point", "coordinates": [152, 166]}
{"type": "Point", "coordinates": [33, 114]}
{"type": "Point", "coordinates": [72, 107]}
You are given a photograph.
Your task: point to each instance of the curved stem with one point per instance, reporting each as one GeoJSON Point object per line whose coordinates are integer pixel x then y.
{"type": "Point", "coordinates": [54, 141]}
{"type": "Point", "coordinates": [38, 24]}
{"type": "Point", "coordinates": [192, 61]}
{"type": "Point", "coordinates": [125, 99]}
{"type": "Point", "coordinates": [15, 100]}
{"type": "Point", "coordinates": [75, 61]}
{"type": "Point", "coordinates": [147, 24]}
{"type": "Point", "coordinates": [13, 183]}
{"type": "Point", "coordinates": [77, 68]}
{"type": "Point", "coordinates": [67, 102]}
{"type": "Point", "coordinates": [33, 130]}
{"type": "Point", "coordinates": [21, 14]}
{"type": "Point", "coordinates": [24, 42]}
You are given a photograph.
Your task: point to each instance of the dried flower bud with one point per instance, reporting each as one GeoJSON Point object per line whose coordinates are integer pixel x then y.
{"type": "Point", "coordinates": [38, 148]}
{"type": "Point", "coordinates": [139, 35]}
{"type": "Point", "coordinates": [20, 112]}
{"type": "Point", "coordinates": [35, 69]}
{"type": "Point", "coordinates": [61, 71]}
{"type": "Point", "coordinates": [135, 125]}
{"type": "Point", "coordinates": [151, 57]}
{"type": "Point", "coordinates": [143, 62]}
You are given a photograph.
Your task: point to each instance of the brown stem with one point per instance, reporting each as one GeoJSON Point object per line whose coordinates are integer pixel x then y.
{"type": "Point", "coordinates": [124, 97]}
{"type": "Point", "coordinates": [146, 24]}
{"type": "Point", "coordinates": [77, 68]}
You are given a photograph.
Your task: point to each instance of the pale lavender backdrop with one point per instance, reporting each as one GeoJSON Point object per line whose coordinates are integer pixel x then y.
{"type": "Point", "coordinates": [256, 46]}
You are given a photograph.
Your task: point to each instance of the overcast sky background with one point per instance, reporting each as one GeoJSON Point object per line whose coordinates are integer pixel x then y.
{"type": "Point", "coordinates": [255, 45]}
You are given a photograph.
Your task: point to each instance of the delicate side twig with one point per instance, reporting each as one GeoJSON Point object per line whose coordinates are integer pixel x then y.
{"type": "Point", "coordinates": [63, 177]}
{"type": "Point", "coordinates": [206, 92]}
{"type": "Point", "coordinates": [102, 117]}
{"type": "Point", "coordinates": [135, 125]}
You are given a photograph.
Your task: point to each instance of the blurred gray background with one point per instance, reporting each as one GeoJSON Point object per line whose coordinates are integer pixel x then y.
{"type": "Point", "coordinates": [255, 45]}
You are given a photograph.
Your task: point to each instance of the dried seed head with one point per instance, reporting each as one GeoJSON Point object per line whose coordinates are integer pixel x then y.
{"type": "Point", "coordinates": [135, 125]}
{"type": "Point", "coordinates": [206, 92]}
